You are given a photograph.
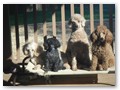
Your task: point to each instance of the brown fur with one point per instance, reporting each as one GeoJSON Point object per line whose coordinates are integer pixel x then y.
{"type": "Point", "coordinates": [108, 34]}
{"type": "Point", "coordinates": [102, 54]}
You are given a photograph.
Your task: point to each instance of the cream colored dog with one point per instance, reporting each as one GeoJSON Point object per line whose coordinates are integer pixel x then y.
{"type": "Point", "coordinates": [78, 52]}
{"type": "Point", "coordinates": [33, 50]}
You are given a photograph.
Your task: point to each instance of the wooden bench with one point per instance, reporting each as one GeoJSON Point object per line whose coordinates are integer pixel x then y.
{"type": "Point", "coordinates": [62, 77]}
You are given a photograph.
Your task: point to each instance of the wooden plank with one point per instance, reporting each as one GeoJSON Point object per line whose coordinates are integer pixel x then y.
{"type": "Point", "coordinates": [101, 14]}
{"type": "Point", "coordinates": [17, 33]}
{"type": "Point", "coordinates": [82, 9]}
{"type": "Point", "coordinates": [78, 72]}
{"type": "Point", "coordinates": [110, 17]}
{"type": "Point", "coordinates": [7, 48]}
{"type": "Point", "coordinates": [54, 20]}
{"type": "Point", "coordinates": [28, 79]}
{"type": "Point", "coordinates": [57, 80]}
{"type": "Point", "coordinates": [44, 20]}
{"type": "Point", "coordinates": [35, 23]}
{"type": "Point", "coordinates": [72, 9]}
{"type": "Point", "coordinates": [25, 23]}
{"type": "Point", "coordinates": [63, 27]}
{"type": "Point", "coordinates": [74, 79]}
{"type": "Point", "coordinates": [111, 20]}
{"type": "Point", "coordinates": [70, 72]}
{"type": "Point", "coordinates": [91, 18]}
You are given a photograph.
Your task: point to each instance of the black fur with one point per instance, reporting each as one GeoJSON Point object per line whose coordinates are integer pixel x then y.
{"type": "Point", "coordinates": [52, 61]}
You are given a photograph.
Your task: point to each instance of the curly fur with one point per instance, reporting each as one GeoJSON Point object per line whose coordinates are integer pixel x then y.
{"type": "Point", "coordinates": [78, 45]}
{"type": "Point", "coordinates": [65, 60]}
{"type": "Point", "coordinates": [102, 54]}
{"type": "Point", "coordinates": [53, 61]}
{"type": "Point", "coordinates": [33, 50]}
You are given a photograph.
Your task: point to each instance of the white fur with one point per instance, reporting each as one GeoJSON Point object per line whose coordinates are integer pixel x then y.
{"type": "Point", "coordinates": [33, 50]}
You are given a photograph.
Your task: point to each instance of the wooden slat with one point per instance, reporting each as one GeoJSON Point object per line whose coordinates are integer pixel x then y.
{"type": "Point", "coordinates": [63, 27]}
{"type": "Point", "coordinates": [7, 48]}
{"type": "Point", "coordinates": [54, 20]}
{"type": "Point", "coordinates": [44, 20]}
{"type": "Point", "coordinates": [73, 79]}
{"type": "Point", "coordinates": [25, 24]}
{"type": "Point", "coordinates": [59, 80]}
{"type": "Point", "coordinates": [17, 32]}
{"type": "Point", "coordinates": [101, 14]}
{"type": "Point", "coordinates": [82, 9]}
{"type": "Point", "coordinates": [72, 9]}
{"type": "Point", "coordinates": [91, 18]}
{"type": "Point", "coordinates": [110, 18]}
{"type": "Point", "coordinates": [70, 72]}
{"type": "Point", "coordinates": [35, 23]}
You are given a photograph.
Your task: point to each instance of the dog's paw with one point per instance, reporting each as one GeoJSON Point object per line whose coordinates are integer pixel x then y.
{"type": "Point", "coordinates": [66, 66]}
{"type": "Point", "coordinates": [37, 67]}
{"type": "Point", "coordinates": [74, 68]}
{"type": "Point", "coordinates": [92, 69]}
{"type": "Point", "coordinates": [55, 70]}
{"type": "Point", "coordinates": [100, 68]}
{"type": "Point", "coordinates": [105, 68]}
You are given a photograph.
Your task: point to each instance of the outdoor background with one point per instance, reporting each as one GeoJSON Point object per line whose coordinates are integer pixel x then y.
{"type": "Point", "coordinates": [30, 22]}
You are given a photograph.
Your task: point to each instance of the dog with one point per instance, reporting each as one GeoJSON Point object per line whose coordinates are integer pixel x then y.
{"type": "Point", "coordinates": [53, 61]}
{"type": "Point", "coordinates": [103, 56]}
{"type": "Point", "coordinates": [33, 51]}
{"type": "Point", "coordinates": [78, 50]}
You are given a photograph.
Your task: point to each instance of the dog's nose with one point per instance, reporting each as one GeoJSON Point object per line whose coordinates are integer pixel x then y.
{"type": "Point", "coordinates": [73, 23]}
{"type": "Point", "coordinates": [101, 35]}
{"type": "Point", "coordinates": [52, 46]}
{"type": "Point", "coordinates": [101, 39]}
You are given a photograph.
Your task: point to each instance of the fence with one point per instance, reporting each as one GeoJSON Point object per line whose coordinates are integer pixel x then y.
{"type": "Point", "coordinates": [7, 32]}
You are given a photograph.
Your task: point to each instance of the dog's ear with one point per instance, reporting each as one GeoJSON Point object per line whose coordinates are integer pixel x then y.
{"type": "Point", "coordinates": [109, 36]}
{"type": "Point", "coordinates": [93, 36]}
{"type": "Point", "coordinates": [83, 21]}
{"type": "Point", "coordinates": [54, 37]}
{"type": "Point", "coordinates": [45, 44]}
{"type": "Point", "coordinates": [38, 50]}
{"type": "Point", "coordinates": [69, 23]}
{"type": "Point", "coordinates": [24, 49]}
{"type": "Point", "coordinates": [57, 43]}
{"type": "Point", "coordinates": [45, 38]}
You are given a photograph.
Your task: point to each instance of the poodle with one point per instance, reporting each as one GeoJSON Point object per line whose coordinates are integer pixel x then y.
{"type": "Point", "coordinates": [102, 54]}
{"type": "Point", "coordinates": [53, 61]}
{"type": "Point", "coordinates": [78, 51]}
{"type": "Point", "coordinates": [33, 51]}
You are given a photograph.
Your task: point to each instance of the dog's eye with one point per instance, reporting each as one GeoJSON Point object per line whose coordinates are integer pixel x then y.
{"type": "Point", "coordinates": [103, 32]}
{"type": "Point", "coordinates": [73, 22]}
{"type": "Point", "coordinates": [78, 21]}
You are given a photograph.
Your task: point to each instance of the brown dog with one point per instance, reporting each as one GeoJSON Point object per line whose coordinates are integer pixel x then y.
{"type": "Point", "coordinates": [102, 54]}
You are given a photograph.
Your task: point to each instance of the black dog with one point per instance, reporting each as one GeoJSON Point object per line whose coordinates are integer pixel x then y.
{"type": "Point", "coordinates": [53, 61]}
